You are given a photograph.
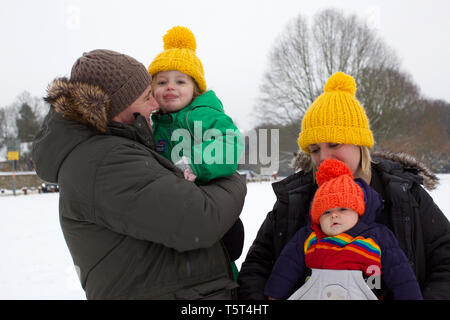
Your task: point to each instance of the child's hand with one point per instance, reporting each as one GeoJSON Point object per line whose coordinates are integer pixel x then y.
{"type": "Point", "coordinates": [184, 166]}
{"type": "Point", "coordinates": [189, 175]}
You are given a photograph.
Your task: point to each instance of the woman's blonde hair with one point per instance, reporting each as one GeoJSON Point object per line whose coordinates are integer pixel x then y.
{"type": "Point", "coordinates": [366, 163]}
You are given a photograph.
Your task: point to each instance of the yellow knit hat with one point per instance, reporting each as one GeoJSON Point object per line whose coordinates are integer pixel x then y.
{"type": "Point", "coordinates": [336, 116]}
{"type": "Point", "coordinates": [179, 54]}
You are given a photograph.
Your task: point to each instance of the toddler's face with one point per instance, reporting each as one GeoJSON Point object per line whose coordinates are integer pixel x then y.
{"type": "Point", "coordinates": [173, 90]}
{"type": "Point", "coordinates": [338, 220]}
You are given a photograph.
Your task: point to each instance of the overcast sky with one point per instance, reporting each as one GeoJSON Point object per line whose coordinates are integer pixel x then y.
{"type": "Point", "coordinates": [42, 39]}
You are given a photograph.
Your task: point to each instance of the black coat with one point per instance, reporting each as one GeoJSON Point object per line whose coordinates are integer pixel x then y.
{"type": "Point", "coordinates": [422, 230]}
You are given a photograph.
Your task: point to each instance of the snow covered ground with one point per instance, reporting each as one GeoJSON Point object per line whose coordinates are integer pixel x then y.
{"type": "Point", "coordinates": [35, 262]}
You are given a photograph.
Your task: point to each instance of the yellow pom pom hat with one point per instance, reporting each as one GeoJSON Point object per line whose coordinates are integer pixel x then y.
{"type": "Point", "coordinates": [336, 116]}
{"type": "Point", "coordinates": [179, 54]}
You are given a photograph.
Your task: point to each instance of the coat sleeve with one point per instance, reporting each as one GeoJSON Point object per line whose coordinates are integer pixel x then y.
{"type": "Point", "coordinates": [217, 151]}
{"type": "Point", "coordinates": [137, 196]}
{"type": "Point", "coordinates": [436, 236]}
{"type": "Point", "coordinates": [258, 263]}
{"type": "Point", "coordinates": [397, 274]}
{"type": "Point", "coordinates": [288, 269]}
{"type": "Point", "coordinates": [234, 240]}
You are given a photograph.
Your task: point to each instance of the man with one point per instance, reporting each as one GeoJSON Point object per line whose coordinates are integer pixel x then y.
{"type": "Point", "coordinates": [136, 229]}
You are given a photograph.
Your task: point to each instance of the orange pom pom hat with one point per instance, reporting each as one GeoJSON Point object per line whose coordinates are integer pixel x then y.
{"type": "Point", "coordinates": [337, 189]}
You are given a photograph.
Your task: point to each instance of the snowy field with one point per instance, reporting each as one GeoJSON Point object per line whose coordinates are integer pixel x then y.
{"type": "Point", "coordinates": [36, 264]}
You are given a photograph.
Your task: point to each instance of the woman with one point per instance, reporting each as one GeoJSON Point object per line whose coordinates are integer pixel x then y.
{"type": "Point", "coordinates": [336, 126]}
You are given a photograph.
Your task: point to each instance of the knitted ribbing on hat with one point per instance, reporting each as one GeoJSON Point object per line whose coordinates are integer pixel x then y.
{"type": "Point", "coordinates": [120, 76]}
{"type": "Point", "coordinates": [336, 116]}
{"type": "Point", "coordinates": [179, 54]}
{"type": "Point", "coordinates": [337, 189]}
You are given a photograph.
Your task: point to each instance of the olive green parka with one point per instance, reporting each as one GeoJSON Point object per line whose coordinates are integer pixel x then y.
{"type": "Point", "coordinates": [136, 229]}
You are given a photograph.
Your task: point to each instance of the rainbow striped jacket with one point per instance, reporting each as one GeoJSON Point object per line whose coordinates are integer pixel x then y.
{"type": "Point", "coordinates": [343, 252]}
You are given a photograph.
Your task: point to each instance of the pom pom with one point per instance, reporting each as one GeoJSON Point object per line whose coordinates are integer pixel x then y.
{"type": "Point", "coordinates": [179, 38]}
{"type": "Point", "coordinates": [330, 169]}
{"type": "Point", "coordinates": [341, 82]}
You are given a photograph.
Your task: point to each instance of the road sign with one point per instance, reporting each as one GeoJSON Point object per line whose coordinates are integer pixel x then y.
{"type": "Point", "coordinates": [13, 155]}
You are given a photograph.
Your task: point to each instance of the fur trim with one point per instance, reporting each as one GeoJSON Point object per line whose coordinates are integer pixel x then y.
{"type": "Point", "coordinates": [430, 180]}
{"type": "Point", "coordinates": [302, 161]}
{"type": "Point", "coordinates": [82, 102]}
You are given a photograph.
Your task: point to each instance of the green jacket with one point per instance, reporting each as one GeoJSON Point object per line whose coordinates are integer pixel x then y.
{"type": "Point", "coordinates": [208, 137]}
{"type": "Point", "coordinates": [136, 229]}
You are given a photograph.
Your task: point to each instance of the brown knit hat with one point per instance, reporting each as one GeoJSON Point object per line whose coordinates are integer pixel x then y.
{"type": "Point", "coordinates": [120, 76]}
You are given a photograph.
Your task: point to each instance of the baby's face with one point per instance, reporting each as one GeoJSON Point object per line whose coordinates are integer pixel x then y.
{"type": "Point", "coordinates": [173, 90]}
{"type": "Point", "coordinates": [338, 220]}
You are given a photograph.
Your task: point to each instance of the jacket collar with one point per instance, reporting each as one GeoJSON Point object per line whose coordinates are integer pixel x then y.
{"type": "Point", "coordinates": [297, 182]}
{"type": "Point", "coordinates": [138, 131]}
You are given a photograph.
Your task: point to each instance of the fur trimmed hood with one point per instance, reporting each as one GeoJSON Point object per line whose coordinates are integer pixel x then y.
{"type": "Point", "coordinates": [302, 161]}
{"type": "Point", "coordinates": [84, 103]}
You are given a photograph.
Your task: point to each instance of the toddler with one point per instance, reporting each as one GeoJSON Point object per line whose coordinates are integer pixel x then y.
{"type": "Point", "coordinates": [211, 144]}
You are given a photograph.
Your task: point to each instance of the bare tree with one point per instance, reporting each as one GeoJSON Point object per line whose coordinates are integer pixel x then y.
{"type": "Point", "coordinates": [309, 52]}
{"type": "Point", "coordinates": [425, 134]}
{"type": "Point", "coordinates": [290, 84]}
{"type": "Point", "coordinates": [305, 56]}
{"type": "Point", "coordinates": [8, 128]}
{"type": "Point", "coordinates": [389, 97]}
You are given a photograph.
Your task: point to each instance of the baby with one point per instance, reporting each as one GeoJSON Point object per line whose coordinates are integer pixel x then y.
{"type": "Point", "coordinates": [342, 245]}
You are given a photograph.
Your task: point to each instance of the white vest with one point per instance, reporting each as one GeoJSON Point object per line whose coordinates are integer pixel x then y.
{"type": "Point", "coordinates": [326, 284]}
